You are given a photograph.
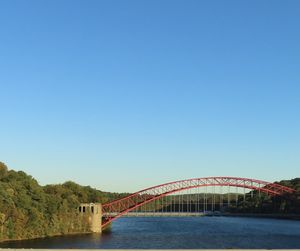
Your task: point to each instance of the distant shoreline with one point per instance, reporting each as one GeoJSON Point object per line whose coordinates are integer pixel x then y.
{"type": "Point", "coordinates": [213, 214]}
{"type": "Point", "coordinates": [253, 215]}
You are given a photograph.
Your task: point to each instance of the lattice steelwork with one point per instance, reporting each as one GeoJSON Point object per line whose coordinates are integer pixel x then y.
{"type": "Point", "coordinates": [117, 208]}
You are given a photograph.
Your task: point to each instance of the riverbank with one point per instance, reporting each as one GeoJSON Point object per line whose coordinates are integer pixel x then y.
{"type": "Point", "coordinates": [107, 229]}
{"type": "Point", "coordinates": [44, 237]}
{"type": "Point", "coordinates": [209, 214]}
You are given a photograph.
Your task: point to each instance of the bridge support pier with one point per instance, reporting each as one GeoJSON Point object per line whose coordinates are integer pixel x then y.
{"type": "Point", "coordinates": [94, 213]}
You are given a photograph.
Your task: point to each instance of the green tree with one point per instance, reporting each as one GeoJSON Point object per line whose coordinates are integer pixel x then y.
{"type": "Point", "coordinates": [3, 170]}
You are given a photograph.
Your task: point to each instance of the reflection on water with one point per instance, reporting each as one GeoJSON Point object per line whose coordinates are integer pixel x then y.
{"type": "Point", "coordinates": [181, 232]}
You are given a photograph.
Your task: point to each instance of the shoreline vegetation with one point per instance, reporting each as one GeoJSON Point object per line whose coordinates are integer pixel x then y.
{"type": "Point", "coordinates": [256, 215]}
{"type": "Point", "coordinates": [31, 211]}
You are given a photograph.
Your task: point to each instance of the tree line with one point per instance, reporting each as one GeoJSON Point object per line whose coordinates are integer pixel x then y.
{"type": "Point", "coordinates": [29, 210]}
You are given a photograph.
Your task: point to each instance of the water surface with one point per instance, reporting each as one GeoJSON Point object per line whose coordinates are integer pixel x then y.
{"type": "Point", "coordinates": [181, 232]}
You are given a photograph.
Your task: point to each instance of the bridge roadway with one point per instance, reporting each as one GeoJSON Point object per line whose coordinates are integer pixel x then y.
{"type": "Point", "coordinates": [210, 213]}
{"type": "Point", "coordinates": [166, 214]}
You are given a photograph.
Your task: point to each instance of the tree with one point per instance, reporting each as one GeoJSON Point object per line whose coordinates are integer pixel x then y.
{"type": "Point", "coordinates": [3, 170]}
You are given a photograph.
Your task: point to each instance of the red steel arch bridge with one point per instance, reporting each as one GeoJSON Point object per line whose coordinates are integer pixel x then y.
{"type": "Point", "coordinates": [174, 196]}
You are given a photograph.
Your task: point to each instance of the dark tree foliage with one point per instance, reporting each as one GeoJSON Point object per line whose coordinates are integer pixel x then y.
{"type": "Point", "coordinates": [28, 210]}
{"type": "Point", "coordinates": [265, 204]}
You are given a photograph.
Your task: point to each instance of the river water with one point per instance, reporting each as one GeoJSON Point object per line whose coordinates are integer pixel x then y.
{"type": "Point", "coordinates": [181, 232]}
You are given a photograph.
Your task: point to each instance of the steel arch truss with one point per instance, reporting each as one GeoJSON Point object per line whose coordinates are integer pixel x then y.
{"type": "Point", "coordinates": [117, 208]}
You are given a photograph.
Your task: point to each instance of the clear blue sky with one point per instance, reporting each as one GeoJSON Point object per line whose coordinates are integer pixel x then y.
{"type": "Point", "coordinates": [122, 95]}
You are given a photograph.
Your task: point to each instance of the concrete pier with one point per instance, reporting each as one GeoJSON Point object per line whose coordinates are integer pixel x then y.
{"type": "Point", "coordinates": [94, 213]}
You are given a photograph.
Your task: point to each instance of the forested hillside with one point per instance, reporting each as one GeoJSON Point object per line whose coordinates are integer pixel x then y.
{"type": "Point", "coordinates": [286, 204]}
{"type": "Point", "coordinates": [28, 210]}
